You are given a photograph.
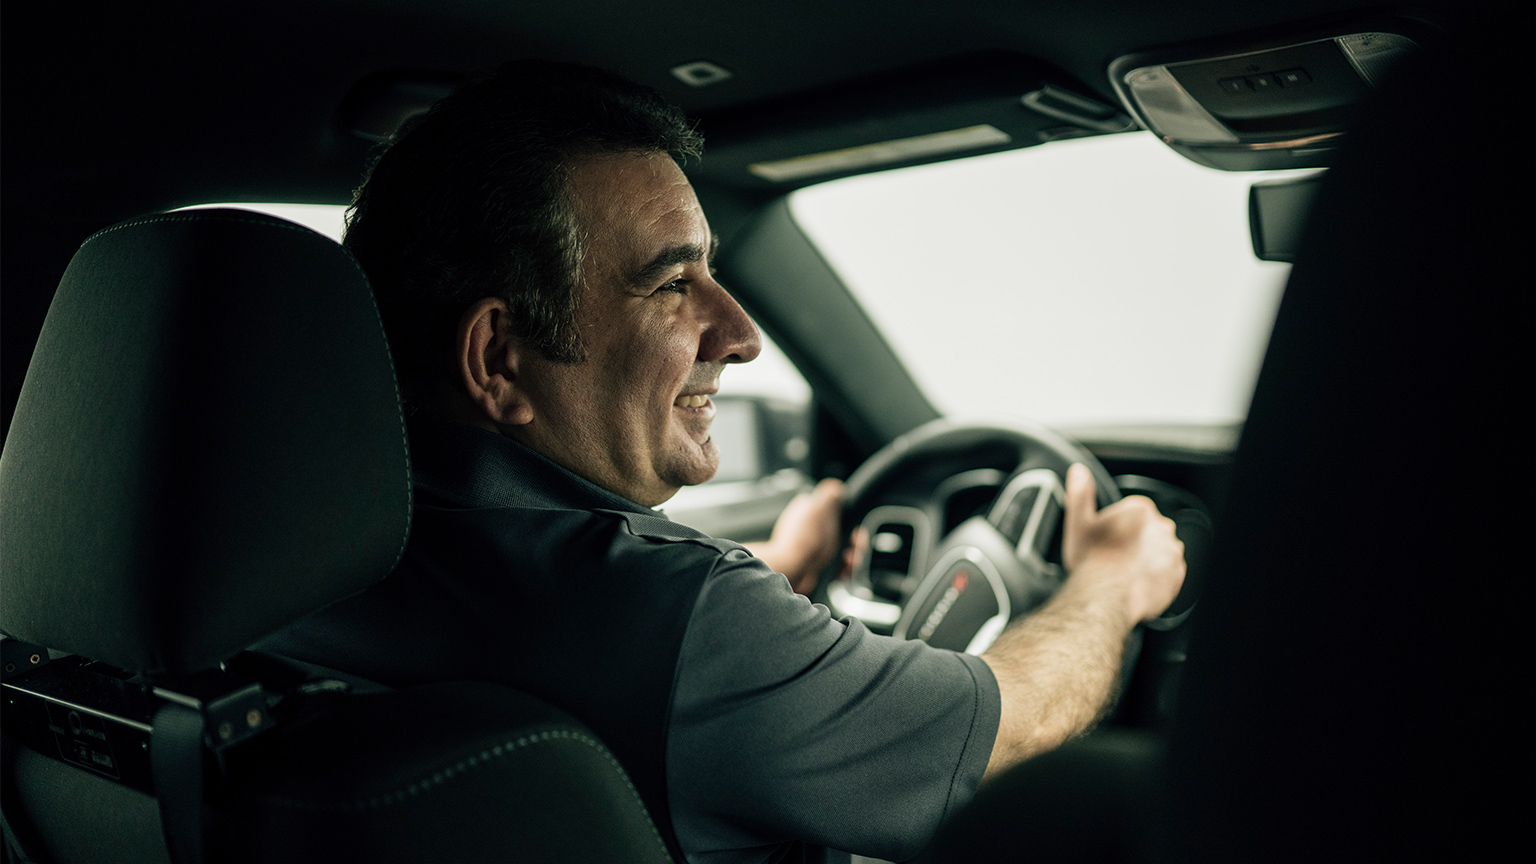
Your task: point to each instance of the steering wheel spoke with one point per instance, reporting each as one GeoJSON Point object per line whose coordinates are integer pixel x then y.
{"type": "Point", "coordinates": [1028, 511]}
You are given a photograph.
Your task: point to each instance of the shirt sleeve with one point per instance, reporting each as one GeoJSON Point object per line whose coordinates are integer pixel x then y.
{"type": "Point", "coordinates": [789, 725]}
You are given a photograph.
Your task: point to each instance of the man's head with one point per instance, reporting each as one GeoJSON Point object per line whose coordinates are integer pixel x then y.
{"type": "Point", "coordinates": [473, 201]}
{"type": "Point", "coordinates": [543, 268]}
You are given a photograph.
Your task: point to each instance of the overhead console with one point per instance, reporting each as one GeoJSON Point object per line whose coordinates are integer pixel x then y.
{"type": "Point", "coordinates": [1277, 103]}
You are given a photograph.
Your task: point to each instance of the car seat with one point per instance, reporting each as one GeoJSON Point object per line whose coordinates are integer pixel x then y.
{"type": "Point", "coordinates": [1355, 661]}
{"type": "Point", "coordinates": [209, 445]}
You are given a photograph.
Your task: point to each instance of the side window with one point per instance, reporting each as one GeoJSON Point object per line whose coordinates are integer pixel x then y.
{"type": "Point", "coordinates": [762, 429]}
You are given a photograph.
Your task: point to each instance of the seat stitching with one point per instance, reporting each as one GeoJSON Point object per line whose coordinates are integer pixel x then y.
{"type": "Point", "coordinates": [440, 778]}
{"type": "Point", "coordinates": [166, 217]}
{"type": "Point", "coordinates": [278, 222]}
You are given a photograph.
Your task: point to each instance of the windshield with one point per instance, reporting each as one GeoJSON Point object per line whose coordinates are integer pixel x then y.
{"type": "Point", "coordinates": [1093, 281]}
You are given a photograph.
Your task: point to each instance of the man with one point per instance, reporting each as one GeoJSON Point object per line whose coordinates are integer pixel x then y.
{"type": "Point", "coordinates": [543, 269]}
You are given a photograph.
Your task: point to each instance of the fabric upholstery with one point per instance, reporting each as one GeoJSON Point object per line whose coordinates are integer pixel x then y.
{"type": "Point", "coordinates": [440, 772]}
{"type": "Point", "coordinates": [443, 772]}
{"type": "Point", "coordinates": [208, 444]}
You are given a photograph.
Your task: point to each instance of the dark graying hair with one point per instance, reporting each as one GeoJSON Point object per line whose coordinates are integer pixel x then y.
{"type": "Point", "coordinates": [472, 200]}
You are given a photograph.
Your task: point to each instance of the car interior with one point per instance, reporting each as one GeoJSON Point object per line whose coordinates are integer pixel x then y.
{"type": "Point", "coordinates": [204, 437]}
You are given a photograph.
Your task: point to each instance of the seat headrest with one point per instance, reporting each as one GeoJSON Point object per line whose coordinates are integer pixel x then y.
{"type": "Point", "coordinates": [208, 444]}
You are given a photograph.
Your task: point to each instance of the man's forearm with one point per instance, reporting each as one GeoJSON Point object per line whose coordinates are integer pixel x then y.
{"type": "Point", "coordinates": [1057, 669]}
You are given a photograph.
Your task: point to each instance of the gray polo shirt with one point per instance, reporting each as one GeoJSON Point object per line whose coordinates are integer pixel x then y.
{"type": "Point", "coordinates": [755, 726]}
{"type": "Point", "coordinates": [787, 723]}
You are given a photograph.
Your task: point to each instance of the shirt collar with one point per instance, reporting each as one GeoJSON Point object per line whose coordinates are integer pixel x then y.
{"type": "Point", "coordinates": [455, 465]}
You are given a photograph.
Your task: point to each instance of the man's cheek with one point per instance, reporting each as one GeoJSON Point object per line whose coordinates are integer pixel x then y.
{"type": "Point", "coordinates": [707, 464]}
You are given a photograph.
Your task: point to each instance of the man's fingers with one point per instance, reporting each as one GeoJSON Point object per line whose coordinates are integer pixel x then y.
{"type": "Point", "coordinates": [1081, 505]}
{"type": "Point", "coordinates": [812, 511]}
{"type": "Point", "coordinates": [855, 551]}
{"type": "Point", "coordinates": [826, 499]}
{"type": "Point", "coordinates": [1081, 495]}
{"type": "Point", "coordinates": [829, 489]}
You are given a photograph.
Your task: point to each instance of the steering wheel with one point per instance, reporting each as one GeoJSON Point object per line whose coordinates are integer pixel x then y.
{"type": "Point", "coordinates": [960, 590]}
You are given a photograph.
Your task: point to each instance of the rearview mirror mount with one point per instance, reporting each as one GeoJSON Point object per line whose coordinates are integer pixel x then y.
{"type": "Point", "coordinates": [1277, 213]}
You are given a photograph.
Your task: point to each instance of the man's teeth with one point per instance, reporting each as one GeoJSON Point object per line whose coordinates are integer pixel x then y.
{"type": "Point", "coordinates": [691, 401]}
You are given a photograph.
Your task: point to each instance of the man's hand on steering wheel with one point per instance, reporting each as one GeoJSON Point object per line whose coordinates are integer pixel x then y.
{"type": "Point", "coordinates": [1127, 541]}
{"type": "Point", "coordinates": [805, 537]}
{"type": "Point", "coordinates": [1057, 668]}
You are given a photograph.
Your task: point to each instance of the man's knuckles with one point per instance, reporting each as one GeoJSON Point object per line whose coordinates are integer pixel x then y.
{"type": "Point", "coordinates": [1139, 504]}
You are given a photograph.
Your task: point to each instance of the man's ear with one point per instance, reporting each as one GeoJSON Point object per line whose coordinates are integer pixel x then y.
{"type": "Point", "coordinates": [488, 359]}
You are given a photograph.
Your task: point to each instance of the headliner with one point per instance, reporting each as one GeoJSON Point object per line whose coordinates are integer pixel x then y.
{"type": "Point", "coordinates": [118, 110]}
{"type": "Point", "coordinates": [111, 111]}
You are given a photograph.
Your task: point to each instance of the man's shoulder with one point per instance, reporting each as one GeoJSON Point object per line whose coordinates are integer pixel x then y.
{"type": "Point", "coordinates": [657, 527]}
{"type": "Point", "coordinates": [670, 545]}
{"type": "Point", "coordinates": [537, 541]}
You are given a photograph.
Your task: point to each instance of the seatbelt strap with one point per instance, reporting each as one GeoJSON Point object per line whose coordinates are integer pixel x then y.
{"type": "Point", "coordinates": [176, 764]}
{"type": "Point", "coordinates": [14, 854]}
{"type": "Point", "coordinates": [21, 846]}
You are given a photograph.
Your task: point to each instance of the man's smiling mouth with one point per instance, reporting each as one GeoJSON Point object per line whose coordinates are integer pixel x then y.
{"type": "Point", "coordinates": [697, 401]}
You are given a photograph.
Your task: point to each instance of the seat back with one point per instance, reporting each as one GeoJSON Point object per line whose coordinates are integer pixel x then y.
{"type": "Point", "coordinates": [1348, 694]}
{"type": "Point", "coordinates": [209, 445]}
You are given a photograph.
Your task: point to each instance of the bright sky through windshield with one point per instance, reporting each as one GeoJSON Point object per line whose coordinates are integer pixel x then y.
{"type": "Point", "coordinates": [1101, 280]}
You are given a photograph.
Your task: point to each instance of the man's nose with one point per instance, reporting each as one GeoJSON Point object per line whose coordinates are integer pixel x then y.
{"type": "Point", "coordinates": [729, 336]}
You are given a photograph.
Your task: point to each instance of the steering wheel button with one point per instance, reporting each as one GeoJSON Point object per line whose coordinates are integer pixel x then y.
{"type": "Point", "coordinates": [1016, 516]}
{"type": "Point", "coordinates": [1047, 539]}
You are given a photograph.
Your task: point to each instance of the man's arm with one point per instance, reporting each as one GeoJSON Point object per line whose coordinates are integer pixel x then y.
{"type": "Point", "coordinates": [1057, 669]}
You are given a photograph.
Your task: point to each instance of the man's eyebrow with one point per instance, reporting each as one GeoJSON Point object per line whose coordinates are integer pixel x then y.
{"type": "Point", "coordinates": [669, 258]}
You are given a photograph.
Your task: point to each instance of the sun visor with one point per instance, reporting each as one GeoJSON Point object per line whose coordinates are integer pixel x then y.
{"type": "Point", "coordinates": [960, 107]}
{"type": "Point", "coordinates": [1271, 105]}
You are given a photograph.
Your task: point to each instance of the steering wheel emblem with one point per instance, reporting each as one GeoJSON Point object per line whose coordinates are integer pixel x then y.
{"type": "Point", "coordinates": [951, 594]}
{"type": "Point", "coordinates": [962, 616]}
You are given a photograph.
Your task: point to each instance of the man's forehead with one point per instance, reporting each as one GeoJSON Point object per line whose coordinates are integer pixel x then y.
{"type": "Point", "coordinates": [622, 188]}
{"type": "Point", "coordinates": [633, 207]}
